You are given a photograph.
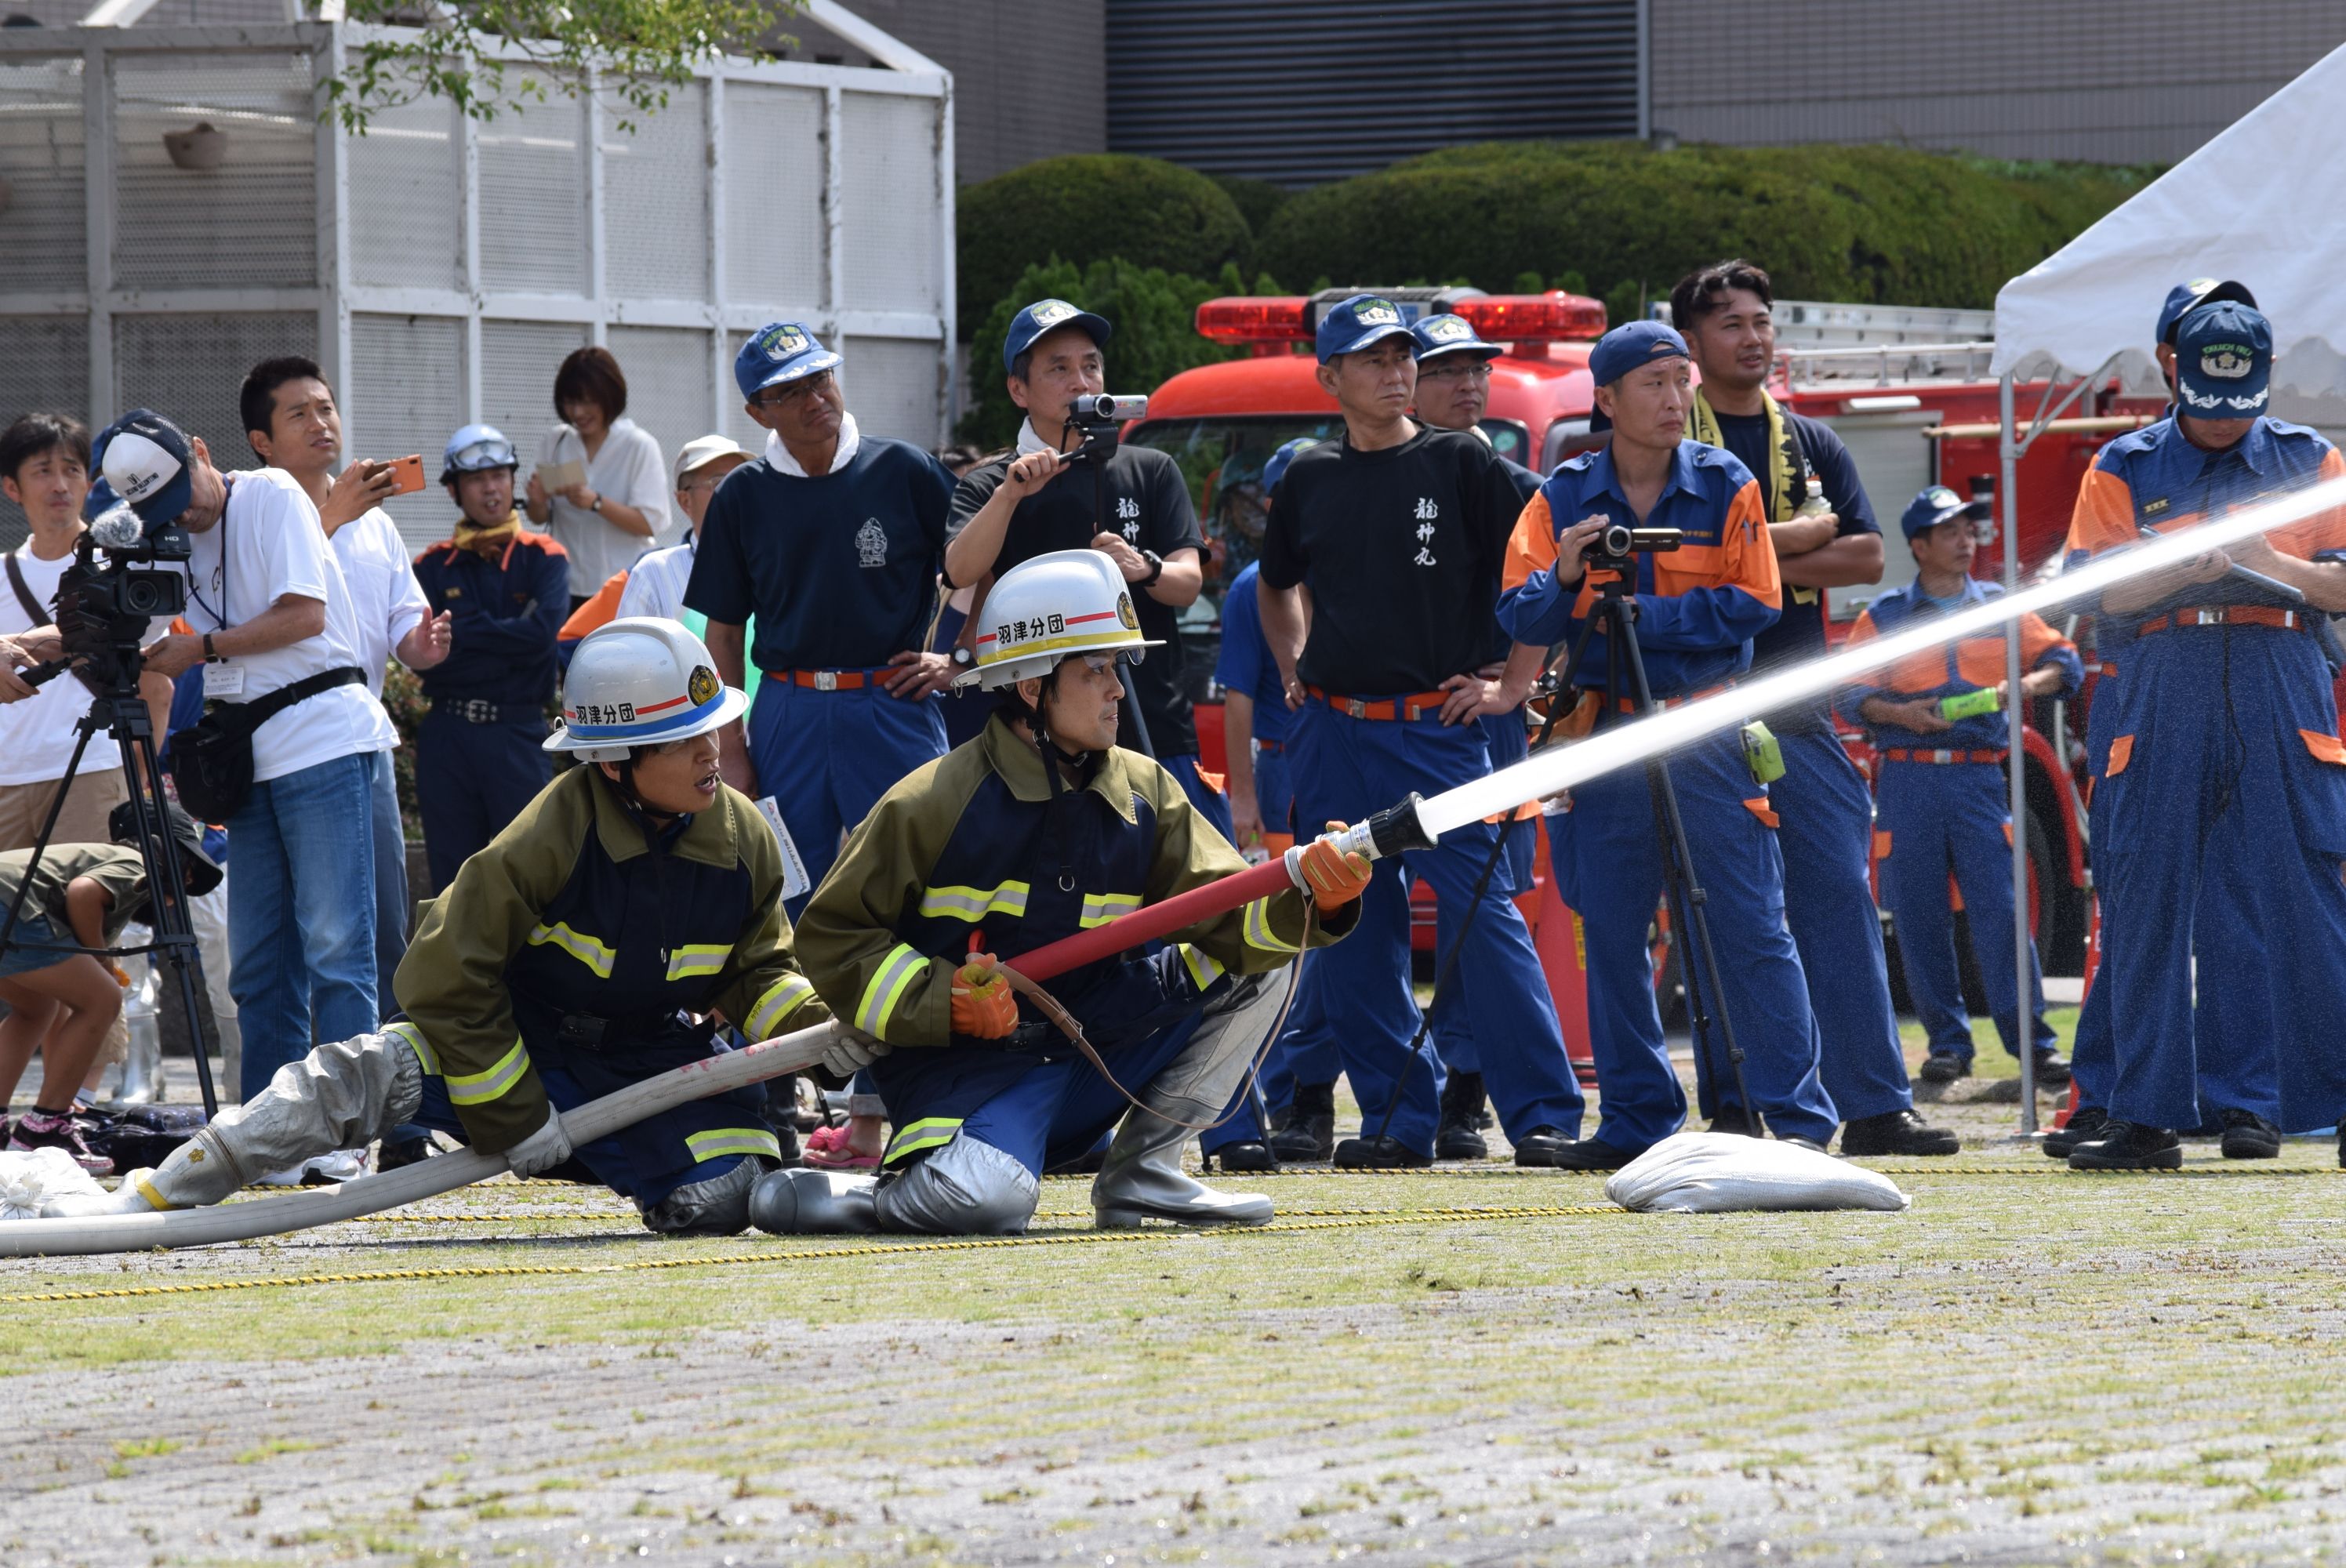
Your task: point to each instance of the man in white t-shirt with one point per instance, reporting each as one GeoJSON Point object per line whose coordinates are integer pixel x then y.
{"type": "Point", "coordinates": [271, 613]}
{"type": "Point", "coordinates": [45, 469]}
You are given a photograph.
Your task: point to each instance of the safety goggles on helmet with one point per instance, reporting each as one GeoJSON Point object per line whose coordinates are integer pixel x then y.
{"type": "Point", "coordinates": [476, 448]}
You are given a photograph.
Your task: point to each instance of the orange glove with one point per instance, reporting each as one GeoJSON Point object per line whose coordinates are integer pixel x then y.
{"type": "Point", "coordinates": [1336, 877]}
{"type": "Point", "coordinates": [983, 1003]}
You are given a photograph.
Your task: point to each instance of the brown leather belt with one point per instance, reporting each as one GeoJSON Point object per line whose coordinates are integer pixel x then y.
{"type": "Point", "coordinates": [2226, 615]}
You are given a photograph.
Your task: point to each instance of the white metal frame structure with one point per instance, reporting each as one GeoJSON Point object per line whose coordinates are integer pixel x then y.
{"type": "Point", "coordinates": [439, 267]}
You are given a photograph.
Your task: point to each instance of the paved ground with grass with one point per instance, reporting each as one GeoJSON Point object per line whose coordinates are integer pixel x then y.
{"type": "Point", "coordinates": [1473, 1365]}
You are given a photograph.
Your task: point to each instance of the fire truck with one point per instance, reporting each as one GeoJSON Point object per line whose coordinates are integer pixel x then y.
{"type": "Point", "coordinates": [1907, 389]}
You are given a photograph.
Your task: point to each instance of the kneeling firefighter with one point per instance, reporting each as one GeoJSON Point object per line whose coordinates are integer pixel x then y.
{"type": "Point", "coordinates": [581, 952]}
{"type": "Point", "coordinates": [1038, 828]}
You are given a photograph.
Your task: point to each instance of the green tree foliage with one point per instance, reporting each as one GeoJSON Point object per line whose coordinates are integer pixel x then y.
{"type": "Point", "coordinates": [1085, 207]}
{"type": "Point", "coordinates": [1829, 222]}
{"type": "Point", "coordinates": [1154, 313]}
{"type": "Point", "coordinates": [1258, 201]}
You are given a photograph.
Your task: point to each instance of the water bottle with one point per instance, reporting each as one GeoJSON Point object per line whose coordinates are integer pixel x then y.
{"type": "Point", "coordinates": [1814, 504]}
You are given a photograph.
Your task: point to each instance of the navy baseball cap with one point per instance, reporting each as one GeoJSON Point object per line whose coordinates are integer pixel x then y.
{"type": "Point", "coordinates": [1275, 469]}
{"type": "Point", "coordinates": [1625, 348]}
{"type": "Point", "coordinates": [1450, 335]}
{"type": "Point", "coordinates": [146, 461]}
{"type": "Point", "coordinates": [1935, 506]}
{"type": "Point", "coordinates": [777, 353]}
{"type": "Point", "coordinates": [2223, 362]}
{"type": "Point", "coordinates": [1048, 316]}
{"type": "Point", "coordinates": [2186, 297]}
{"type": "Point", "coordinates": [1359, 321]}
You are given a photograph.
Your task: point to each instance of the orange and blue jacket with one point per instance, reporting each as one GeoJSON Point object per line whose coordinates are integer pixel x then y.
{"type": "Point", "coordinates": [1965, 664]}
{"type": "Point", "coordinates": [1698, 606]}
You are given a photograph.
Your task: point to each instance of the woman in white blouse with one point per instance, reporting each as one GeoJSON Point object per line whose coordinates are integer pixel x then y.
{"type": "Point", "coordinates": [613, 515]}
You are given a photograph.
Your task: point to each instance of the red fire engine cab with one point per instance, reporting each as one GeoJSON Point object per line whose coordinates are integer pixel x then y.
{"type": "Point", "coordinates": [1908, 390]}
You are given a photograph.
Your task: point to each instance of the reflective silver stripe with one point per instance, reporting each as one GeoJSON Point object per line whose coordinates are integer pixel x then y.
{"type": "Point", "coordinates": [973, 904]}
{"type": "Point", "coordinates": [474, 1088]}
{"type": "Point", "coordinates": [780, 1000]}
{"type": "Point", "coordinates": [415, 1038]}
{"type": "Point", "coordinates": [1101, 907]}
{"type": "Point", "coordinates": [585, 949]}
{"type": "Point", "coordinates": [1257, 927]}
{"type": "Point", "coordinates": [887, 988]}
{"type": "Point", "coordinates": [1203, 970]}
{"type": "Point", "coordinates": [718, 1142]}
{"type": "Point", "coordinates": [929, 1132]}
{"type": "Point", "coordinates": [697, 958]}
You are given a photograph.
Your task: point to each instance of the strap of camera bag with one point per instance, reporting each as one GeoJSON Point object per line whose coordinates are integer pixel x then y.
{"type": "Point", "coordinates": [33, 613]}
{"type": "Point", "coordinates": [261, 709]}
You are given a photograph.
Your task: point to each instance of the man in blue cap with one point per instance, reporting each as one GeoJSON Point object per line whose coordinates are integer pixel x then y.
{"type": "Point", "coordinates": [1379, 575]}
{"type": "Point", "coordinates": [2219, 755]}
{"type": "Point", "coordinates": [480, 755]}
{"type": "Point", "coordinates": [1697, 610]}
{"type": "Point", "coordinates": [833, 539]}
{"type": "Point", "coordinates": [1027, 502]}
{"type": "Point", "coordinates": [1943, 802]}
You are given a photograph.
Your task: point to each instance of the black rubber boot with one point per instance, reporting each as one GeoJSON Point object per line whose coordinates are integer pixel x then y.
{"type": "Point", "coordinates": [1307, 1132]}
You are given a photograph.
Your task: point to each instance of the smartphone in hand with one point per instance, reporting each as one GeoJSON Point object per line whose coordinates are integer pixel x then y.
{"type": "Point", "coordinates": [407, 474]}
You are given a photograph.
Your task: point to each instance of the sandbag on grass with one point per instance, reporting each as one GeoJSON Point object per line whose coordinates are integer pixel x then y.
{"type": "Point", "coordinates": [1726, 1173]}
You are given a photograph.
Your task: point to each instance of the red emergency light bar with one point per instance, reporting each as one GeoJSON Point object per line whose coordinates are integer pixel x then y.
{"type": "Point", "coordinates": [1268, 319]}
{"type": "Point", "coordinates": [1533, 318]}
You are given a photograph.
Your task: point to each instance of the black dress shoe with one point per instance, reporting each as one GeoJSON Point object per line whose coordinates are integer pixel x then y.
{"type": "Point", "coordinates": [1593, 1155]}
{"type": "Point", "coordinates": [1943, 1067]}
{"type": "Point", "coordinates": [2249, 1136]}
{"type": "Point", "coordinates": [2086, 1124]}
{"type": "Point", "coordinates": [2052, 1069]}
{"type": "Point", "coordinates": [1460, 1135]}
{"type": "Point", "coordinates": [2129, 1146]}
{"type": "Point", "coordinates": [1896, 1133]}
{"type": "Point", "coordinates": [1250, 1158]}
{"type": "Point", "coordinates": [1383, 1153]}
{"type": "Point", "coordinates": [1307, 1130]}
{"type": "Point", "coordinates": [1543, 1146]}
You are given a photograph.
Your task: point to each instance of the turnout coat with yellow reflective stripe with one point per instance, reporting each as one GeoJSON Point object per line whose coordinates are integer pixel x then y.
{"type": "Point", "coordinates": [570, 910]}
{"type": "Point", "coordinates": [975, 846]}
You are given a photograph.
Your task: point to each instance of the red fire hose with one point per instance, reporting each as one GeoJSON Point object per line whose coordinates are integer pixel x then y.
{"type": "Point", "coordinates": [1154, 922]}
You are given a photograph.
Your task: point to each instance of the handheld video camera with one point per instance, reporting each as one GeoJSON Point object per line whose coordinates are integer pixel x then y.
{"type": "Point", "coordinates": [1099, 418]}
{"type": "Point", "coordinates": [1617, 547]}
{"type": "Point", "coordinates": [106, 606]}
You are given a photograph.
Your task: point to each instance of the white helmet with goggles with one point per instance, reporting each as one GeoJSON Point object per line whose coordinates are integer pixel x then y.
{"type": "Point", "coordinates": [1052, 608]}
{"type": "Point", "coordinates": [474, 448]}
{"type": "Point", "coordinates": [643, 681]}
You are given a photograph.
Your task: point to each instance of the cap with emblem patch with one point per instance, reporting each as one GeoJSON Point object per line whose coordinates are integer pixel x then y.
{"type": "Point", "coordinates": [1357, 322]}
{"type": "Point", "coordinates": [777, 353]}
{"type": "Point", "coordinates": [2223, 362]}
{"type": "Point", "coordinates": [146, 459]}
{"type": "Point", "coordinates": [1935, 506]}
{"type": "Point", "coordinates": [1048, 316]}
{"type": "Point", "coordinates": [1451, 335]}
{"type": "Point", "coordinates": [2186, 297]}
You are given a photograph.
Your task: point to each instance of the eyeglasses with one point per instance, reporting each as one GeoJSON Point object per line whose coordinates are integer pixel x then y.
{"type": "Point", "coordinates": [1474, 369]}
{"type": "Point", "coordinates": [1101, 663]}
{"type": "Point", "coordinates": [785, 395]}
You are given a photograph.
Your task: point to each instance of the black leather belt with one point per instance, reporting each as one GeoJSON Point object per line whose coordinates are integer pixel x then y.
{"type": "Point", "coordinates": [481, 710]}
{"type": "Point", "coordinates": [586, 1031]}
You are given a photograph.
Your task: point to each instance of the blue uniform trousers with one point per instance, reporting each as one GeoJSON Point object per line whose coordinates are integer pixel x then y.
{"type": "Point", "coordinates": [826, 756]}
{"type": "Point", "coordinates": [1343, 769]}
{"type": "Point", "coordinates": [2221, 798]}
{"type": "Point", "coordinates": [695, 1142]}
{"type": "Point", "coordinates": [1944, 816]}
{"type": "Point", "coordinates": [1606, 852]}
{"type": "Point", "coordinates": [1453, 1034]}
{"type": "Point", "coordinates": [1826, 836]}
{"type": "Point", "coordinates": [471, 780]}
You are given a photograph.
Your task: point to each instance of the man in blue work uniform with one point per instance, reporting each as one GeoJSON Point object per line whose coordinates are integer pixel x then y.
{"type": "Point", "coordinates": [1698, 609]}
{"type": "Point", "coordinates": [479, 753]}
{"type": "Point", "coordinates": [833, 539]}
{"type": "Point", "coordinates": [1034, 500]}
{"type": "Point", "coordinates": [1945, 801]}
{"type": "Point", "coordinates": [1725, 313]}
{"type": "Point", "coordinates": [2221, 745]}
{"type": "Point", "coordinates": [1454, 389]}
{"type": "Point", "coordinates": [2233, 1026]}
{"type": "Point", "coordinates": [1397, 534]}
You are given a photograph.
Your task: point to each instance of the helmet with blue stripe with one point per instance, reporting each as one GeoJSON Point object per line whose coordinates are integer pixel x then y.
{"type": "Point", "coordinates": [641, 681]}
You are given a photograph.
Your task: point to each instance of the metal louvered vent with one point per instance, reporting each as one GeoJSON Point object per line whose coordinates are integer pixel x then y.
{"type": "Point", "coordinates": [191, 367]}
{"type": "Point", "coordinates": [406, 393]}
{"type": "Point", "coordinates": [893, 385]}
{"type": "Point", "coordinates": [46, 370]}
{"type": "Point", "coordinates": [43, 241]}
{"type": "Point", "coordinates": [656, 200]}
{"type": "Point", "coordinates": [533, 234]}
{"type": "Point", "coordinates": [892, 255]}
{"type": "Point", "coordinates": [406, 206]}
{"type": "Point", "coordinates": [518, 359]}
{"type": "Point", "coordinates": [668, 391]}
{"type": "Point", "coordinates": [1319, 89]}
{"type": "Point", "coordinates": [227, 207]}
{"type": "Point", "coordinates": [773, 210]}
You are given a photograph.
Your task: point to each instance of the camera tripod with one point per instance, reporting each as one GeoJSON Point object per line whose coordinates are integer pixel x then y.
{"type": "Point", "coordinates": [122, 712]}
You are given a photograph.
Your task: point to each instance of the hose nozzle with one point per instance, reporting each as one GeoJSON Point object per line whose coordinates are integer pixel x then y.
{"type": "Point", "coordinates": [1378, 837]}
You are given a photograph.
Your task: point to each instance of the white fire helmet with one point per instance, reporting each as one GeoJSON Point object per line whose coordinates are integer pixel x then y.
{"type": "Point", "coordinates": [641, 681]}
{"type": "Point", "coordinates": [1052, 608]}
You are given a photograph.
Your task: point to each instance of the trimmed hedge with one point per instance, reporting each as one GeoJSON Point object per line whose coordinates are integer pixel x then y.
{"type": "Point", "coordinates": [1154, 313]}
{"type": "Point", "coordinates": [1085, 208]}
{"type": "Point", "coordinates": [1829, 222]}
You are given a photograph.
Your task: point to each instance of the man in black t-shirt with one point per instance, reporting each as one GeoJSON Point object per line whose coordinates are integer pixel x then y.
{"type": "Point", "coordinates": [1826, 831]}
{"type": "Point", "coordinates": [1379, 582]}
{"type": "Point", "coordinates": [1032, 501]}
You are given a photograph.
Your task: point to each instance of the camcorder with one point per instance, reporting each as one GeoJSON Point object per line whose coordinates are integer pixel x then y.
{"type": "Point", "coordinates": [1099, 418]}
{"type": "Point", "coordinates": [1617, 547]}
{"type": "Point", "coordinates": [117, 586]}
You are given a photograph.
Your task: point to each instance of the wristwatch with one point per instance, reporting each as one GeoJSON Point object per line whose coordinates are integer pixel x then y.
{"type": "Point", "coordinates": [595, 507]}
{"type": "Point", "coordinates": [210, 654]}
{"type": "Point", "coordinates": [963, 658]}
{"type": "Point", "coordinates": [1156, 568]}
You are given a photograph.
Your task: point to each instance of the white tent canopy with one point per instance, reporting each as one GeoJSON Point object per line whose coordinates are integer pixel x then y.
{"type": "Point", "coordinates": [2264, 202]}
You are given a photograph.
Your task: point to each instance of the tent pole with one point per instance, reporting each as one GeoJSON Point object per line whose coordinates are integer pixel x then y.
{"type": "Point", "coordinates": [2016, 761]}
